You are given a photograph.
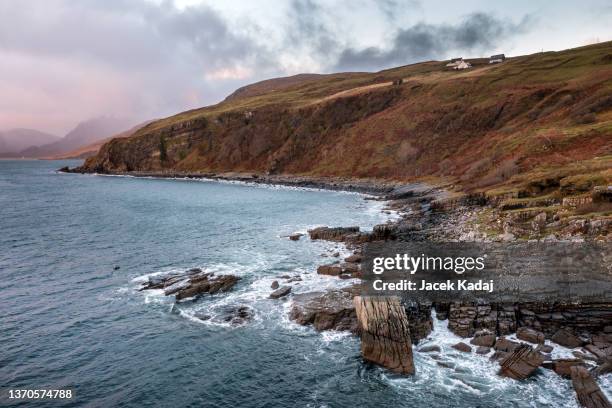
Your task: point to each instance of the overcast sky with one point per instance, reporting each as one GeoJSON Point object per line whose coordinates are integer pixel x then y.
{"type": "Point", "coordinates": [64, 61]}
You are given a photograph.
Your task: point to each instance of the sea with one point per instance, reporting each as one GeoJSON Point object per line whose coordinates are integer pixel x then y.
{"type": "Point", "coordinates": [75, 249]}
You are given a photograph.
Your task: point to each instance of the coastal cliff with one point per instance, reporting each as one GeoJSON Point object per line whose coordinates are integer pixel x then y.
{"type": "Point", "coordinates": [502, 129]}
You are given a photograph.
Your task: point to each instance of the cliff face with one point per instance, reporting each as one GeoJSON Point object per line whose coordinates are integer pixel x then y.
{"type": "Point", "coordinates": [478, 128]}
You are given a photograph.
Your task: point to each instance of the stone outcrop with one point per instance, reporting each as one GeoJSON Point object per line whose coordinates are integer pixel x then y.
{"type": "Point", "coordinates": [563, 366]}
{"type": "Point", "coordinates": [333, 310]}
{"type": "Point", "coordinates": [567, 338]}
{"type": "Point", "coordinates": [191, 283]}
{"type": "Point", "coordinates": [280, 292]}
{"type": "Point", "coordinates": [337, 234]}
{"type": "Point", "coordinates": [530, 335]}
{"type": "Point", "coordinates": [462, 347]}
{"type": "Point", "coordinates": [588, 393]}
{"type": "Point", "coordinates": [521, 363]}
{"type": "Point", "coordinates": [483, 338]}
{"type": "Point", "coordinates": [385, 334]}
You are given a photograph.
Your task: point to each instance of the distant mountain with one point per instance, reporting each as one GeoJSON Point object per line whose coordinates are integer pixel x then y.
{"type": "Point", "coordinates": [92, 149]}
{"type": "Point", "coordinates": [85, 133]}
{"type": "Point", "coordinates": [15, 140]}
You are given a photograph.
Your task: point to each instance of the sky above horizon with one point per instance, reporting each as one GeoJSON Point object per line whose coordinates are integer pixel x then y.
{"type": "Point", "coordinates": [65, 61]}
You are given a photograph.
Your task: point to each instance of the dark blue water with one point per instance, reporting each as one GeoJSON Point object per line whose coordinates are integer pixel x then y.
{"type": "Point", "coordinates": [69, 320]}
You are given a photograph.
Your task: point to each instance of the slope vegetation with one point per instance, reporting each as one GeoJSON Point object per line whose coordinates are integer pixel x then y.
{"type": "Point", "coordinates": [522, 128]}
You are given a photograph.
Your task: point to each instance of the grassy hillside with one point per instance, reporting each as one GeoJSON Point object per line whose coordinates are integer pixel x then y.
{"type": "Point", "coordinates": [533, 125]}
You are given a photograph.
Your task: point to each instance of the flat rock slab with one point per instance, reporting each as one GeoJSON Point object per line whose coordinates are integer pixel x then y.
{"type": "Point", "coordinates": [566, 338]}
{"type": "Point", "coordinates": [588, 393]}
{"type": "Point", "coordinates": [521, 363]}
{"type": "Point", "coordinates": [333, 310]}
{"type": "Point", "coordinates": [530, 335]}
{"type": "Point", "coordinates": [462, 347]}
{"type": "Point", "coordinates": [191, 283]}
{"type": "Point", "coordinates": [280, 292]}
{"type": "Point", "coordinates": [483, 338]}
{"type": "Point", "coordinates": [385, 334]}
{"type": "Point", "coordinates": [337, 234]}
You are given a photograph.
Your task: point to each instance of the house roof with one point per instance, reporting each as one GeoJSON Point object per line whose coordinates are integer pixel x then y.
{"type": "Point", "coordinates": [498, 56]}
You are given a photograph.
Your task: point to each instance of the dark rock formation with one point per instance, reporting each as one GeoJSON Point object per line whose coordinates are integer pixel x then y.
{"type": "Point", "coordinates": [332, 270]}
{"type": "Point", "coordinates": [587, 391]}
{"type": "Point", "coordinates": [530, 335]}
{"type": "Point", "coordinates": [483, 338]}
{"type": "Point", "coordinates": [543, 348]}
{"type": "Point", "coordinates": [483, 350]}
{"type": "Point", "coordinates": [237, 315]}
{"type": "Point", "coordinates": [332, 310]}
{"type": "Point", "coordinates": [337, 234]}
{"type": "Point", "coordinates": [274, 285]}
{"type": "Point", "coordinates": [419, 320]}
{"type": "Point", "coordinates": [355, 258]}
{"type": "Point", "coordinates": [462, 347]}
{"type": "Point", "coordinates": [566, 338]}
{"type": "Point", "coordinates": [521, 363]}
{"type": "Point", "coordinates": [280, 292]}
{"type": "Point", "coordinates": [295, 237]}
{"type": "Point", "coordinates": [385, 335]}
{"type": "Point", "coordinates": [430, 349]}
{"type": "Point", "coordinates": [191, 283]}
{"type": "Point", "coordinates": [563, 366]}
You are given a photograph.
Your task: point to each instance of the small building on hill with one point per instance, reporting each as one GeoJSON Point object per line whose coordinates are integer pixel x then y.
{"type": "Point", "coordinates": [496, 59]}
{"type": "Point", "coordinates": [462, 65]}
{"type": "Point", "coordinates": [454, 62]}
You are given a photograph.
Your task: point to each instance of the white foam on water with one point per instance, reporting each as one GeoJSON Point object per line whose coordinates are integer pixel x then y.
{"type": "Point", "coordinates": [475, 374]}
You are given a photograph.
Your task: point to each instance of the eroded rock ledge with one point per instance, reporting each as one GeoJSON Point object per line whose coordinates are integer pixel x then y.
{"type": "Point", "coordinates": [385, 333]}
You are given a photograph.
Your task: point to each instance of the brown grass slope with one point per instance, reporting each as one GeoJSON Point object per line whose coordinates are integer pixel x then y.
{"type": "Point", "coordinates": [515, 128]}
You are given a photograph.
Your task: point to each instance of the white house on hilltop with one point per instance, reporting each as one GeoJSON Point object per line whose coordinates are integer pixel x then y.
{"type": "Point", "coordinates": [458, 64]}
{"type": "Point", "coordinates": [496, 59]}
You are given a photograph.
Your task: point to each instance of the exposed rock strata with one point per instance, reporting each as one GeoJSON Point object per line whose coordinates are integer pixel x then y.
{"type": "Point", "coordinates": [191, 283]}
{"type": "Point", "coordinates": [385, 335]}
{"type": "Point", "coordinates": [587, 391]}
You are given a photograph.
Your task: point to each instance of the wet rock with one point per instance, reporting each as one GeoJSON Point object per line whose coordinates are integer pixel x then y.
{"type": "Point", "coordinates": [385, 335]}
{"type": "Point", "coordinates": [499, 356]}
{"type": "Point", "coordinates": [116, 268]}
{"type": "Point", "coordinates": [419, 320]}
{"type": "Point", "coordinates": [332, 270]}
{"type": "Point", "coordinates": [483, 350]}
{"type": "Point", "coordinates": [333, 310]}
{"type": "Point", "coordinates": [202, 316]}
{"type": "Point", "coordinates": [336, 254]}
{"type": "Point", "coordinates": [211, 285]}
{"type": "Point", "coordinates": [191, 283]}
{"type": "Point", "coordinates": [337, 234]}
{"type": "Point", "coordinates": [584, 356]}
{"type": "Point", "coordinates": [430, 349]}
{"type": "Point", "coordinates": [483, 338]}
{"type": "Point", "coordinates": [604, 368]}
{"type": "Point", "coordinates": [563, 366]}
{"type": "Point", "coordinates": [462, 347]}
{"type": "Point", "coordinates": [530, 335]}
{"type": "Point", "coordinates": [596, 351]}
{"type": "Point", "coordinates": [566, 338]}
{"type": "Point", "coordinates": [294, 279]}
{"type": "Point", "coordinates": [355, 258]}
{"type": "Point", "coordinates": [543, 348]}
{"type": "Point", "coordinates": [505, 345]}
{"type": "Point", "coordinates": [588, 393]}
{"type": "Point", "coordinates": [280, 292]}
{"type": "Point", "coordinates": [296, 236]}
{"type": "Point", "coordinates": [274, 285]}
{"type": "Point", "coordinates": [446, 364]}
{"type": "Point", "coordinates": [521, 363]}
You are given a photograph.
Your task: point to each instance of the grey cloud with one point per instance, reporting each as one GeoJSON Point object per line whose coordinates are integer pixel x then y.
{"type": "Point", "coordinates": [477, 32]}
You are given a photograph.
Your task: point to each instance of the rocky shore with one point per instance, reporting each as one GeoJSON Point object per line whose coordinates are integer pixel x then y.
{"type": "Point", "coordinates": [389, 327]}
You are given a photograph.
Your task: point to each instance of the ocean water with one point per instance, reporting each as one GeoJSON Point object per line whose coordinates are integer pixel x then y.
{"type": "Point", "coordinates": [70, 320]}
